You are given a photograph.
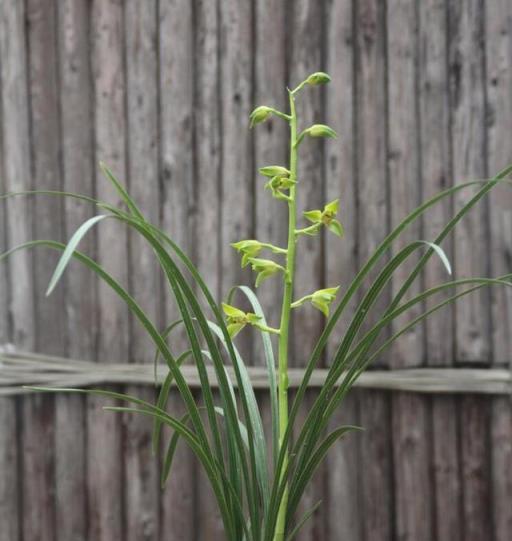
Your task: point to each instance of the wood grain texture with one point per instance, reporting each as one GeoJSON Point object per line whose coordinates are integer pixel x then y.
{"type": "Point", "coordinates": [498, 43]}
{"type": "Point", "coordinates": [270, 143]}
{"type": "Point", "coordinates": [104, 437]}
{"type": "Point", "coordinates": [79, 283]}
{"type": "Point", "coordinates": [447, 469]}
{"type": "Point", "coordinates": [476, 486]}
{"type": "Point", "coordinates": [467, 83]}
{"type": "Point", "coordinates": [207, 144]}
{"type": "Point", "coordinates": [177, 173]}
{"type": "Point", "coordinates": [176, 136]}
{"type": "Point", "coordinates": [343, 469]}
{"type": "Point", "coordinates": [208, 183]}
{"type": "Point", "coordinates": [140, 468]}
{"type": "Point", "coordinates": [410, 413]}
{"type": "Point", "coordinates": [372, 225]}
{"type": "Point", "coordinates": [306, 58]}
{"type": "Point", "coordinates": [235, 71]}
{"type": "Point", "coordinates": [178, 518]}
{"type": "Point", "coordinates": [9, 495]}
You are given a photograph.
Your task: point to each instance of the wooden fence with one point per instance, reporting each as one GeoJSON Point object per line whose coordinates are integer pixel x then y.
{"type": "Point", "coordinates": [160, 90]}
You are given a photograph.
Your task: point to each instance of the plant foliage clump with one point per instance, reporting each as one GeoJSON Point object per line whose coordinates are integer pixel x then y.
{"type": "Point", "coordinates": [258, 493]}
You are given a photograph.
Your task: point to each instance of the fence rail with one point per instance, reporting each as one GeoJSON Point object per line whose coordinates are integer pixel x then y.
{"type": "Point", "coordinates": [20, 369]}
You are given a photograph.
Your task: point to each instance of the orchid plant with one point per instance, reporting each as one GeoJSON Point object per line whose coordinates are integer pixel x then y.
{"type": "Point", "coordinates": [258, 495]}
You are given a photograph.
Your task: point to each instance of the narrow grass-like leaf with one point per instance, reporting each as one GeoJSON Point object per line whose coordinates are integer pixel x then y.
{"type": "Point", "coordinates": [71, 246]}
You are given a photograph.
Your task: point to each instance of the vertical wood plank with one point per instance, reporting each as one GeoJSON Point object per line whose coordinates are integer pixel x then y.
{"type": "Point", "coordinates": [373, 219]}
{"type": "Point", "coordinates": [270, 143]}
{"type": "Point", "coordinates": [207, 141]}
{"type": "Point", "coordinates": [447, 464]}
{"type": "Point", "coordinates": [141, 470]}
{"type": "Point", "coordinates": [410, 413]}
{"type": "Point", "coordinates": [435, 176]}
{"type": "Point", "coordinates": [38, 410]}
{"type": "Point", "coordinates": [176, 37]}
{"type": "Point", "coordinates": [105, 498]}
{"type": "Point", "coordinates": [306, 57]}
{"type": "Point", "coordinates": [178, 521]}
{"type": "Point", "coordinates": [80, 286]}
{"type": "Point", "coordinates": [498, 43]}
{"type": "Point", "coordinates": [475, 419]}
{"type": "Point", "coordinates": [207, 194]}
{"type": "Point", "coordinates": [235, 64]}
{"type": "Point", "coordinates": [9, 496]}
{"type": "Point", "coordinates": [341, 505]}
{"type": "Point", "coordinates": [467, 80]}
{"type": "Point", "coordinates": [466, 57]}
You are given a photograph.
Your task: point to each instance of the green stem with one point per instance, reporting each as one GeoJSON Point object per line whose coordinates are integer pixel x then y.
{"type": "Point", "coordinates": [285, 317]}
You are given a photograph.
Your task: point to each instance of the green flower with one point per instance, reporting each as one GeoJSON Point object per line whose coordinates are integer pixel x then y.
{"type": "Point", "coordinates": [265, 268]}
{"type": "Point", "coordinates": [322, 299]}
{"type": "Point", "coordinates": [318, 78]}
{"type": "Point", "coordinates": [249, 248]}
{"type": "Point", "coordinates": [260, 114]}
{"type": "Point", "coordinates": [236, 319]}
{"type": "Point", "coordinates": [276, 184]}
{"type": "Point", "coordinates": [325, 217]}
{"type": "Point", "coordinates": [274, 171]}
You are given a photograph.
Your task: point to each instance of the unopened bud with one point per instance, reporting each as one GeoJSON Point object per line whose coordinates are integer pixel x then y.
{"type": "Point", "coordinates": [318, 78]}
{"type": "Point", "coordinates": [321, 130]}
{"type": "Point", "coordinates": [274, 171]}
{"type": "Point", "coordinates": [260, 114]}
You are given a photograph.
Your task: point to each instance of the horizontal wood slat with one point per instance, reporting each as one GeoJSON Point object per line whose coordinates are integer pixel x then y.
{"type": "Point", "coordinates": [19, 369]}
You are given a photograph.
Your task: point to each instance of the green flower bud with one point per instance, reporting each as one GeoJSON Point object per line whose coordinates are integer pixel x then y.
{"type": "Point", "coordinates": [249, 248]}
{"type": "Point", "coordinates": [260, 114]}
{"type": "Point", "coordinates": [318, 78]}
{"type": "Point", "coordinates": [321, 130]}
{"type": "Point", "coordinates": [322, 299]}
{"type": "Point", "coordinates": [274, 171]}
{"type": "Point", "coordinates": [265, 268]}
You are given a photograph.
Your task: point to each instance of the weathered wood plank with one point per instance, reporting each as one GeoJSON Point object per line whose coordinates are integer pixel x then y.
{"type": "Point", "coordinates": [177, 170]}
{"type": "Point", "coordinates": [38, 411]}
{"type": "Point", "coordinates": [372, 225]}
{"type": "Point", "coordinates": [207, 144]}
{"type": "Point", "coordinates": [305, 58]}
{"type": "Point", "coordinates": [435, 165]}
{"type": "Point", "coordinates": [501, 469]}
{"type": "Point", "coordinates": [9, 496]}
{"type": "Point", "coordinates": [207, 193]}
{"type": "Point", "coordinates": [140, 468]}
{"type": "Point", "coordinates": [178, 520]}
{"type": "Point", "coordinates": [343, 506]}
{"type": "Point", "coordinates": [466, 64]}
{"type": "Point", "coordinates": [176, 36]}
{"type": "Point", "coordinates": [446, 472]}
{"type": "Point", "coordinates": [476, 487]}
{"type": "Point", "coordinates": [80, 286]}
{"type": "Point", "coordinates": [376, 461]}
{"type": "Point", "coordinates": [498, 43]}
{"type": "Point", "coordinates": [236, 211]}
{"type": "Point", "coordinates": [435, 176]}
{"type": "Point", "coordinates": [105, 499]}
{"type": "Point", "coordinates": [467, 102]}
{"type": "Point", "coordinates": [270, 143]}
{"type": "Point", "coordinates": [342, 498]}
{"type": "Point", "coordinates": [409, 412]}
